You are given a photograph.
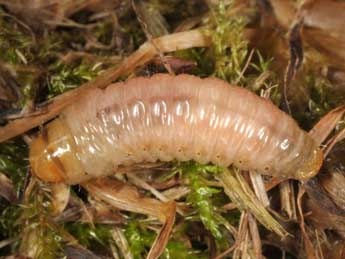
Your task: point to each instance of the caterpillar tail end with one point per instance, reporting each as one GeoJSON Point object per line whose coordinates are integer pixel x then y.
{"type": "Point", "coordinates": [52, 156]}
{"type": "Point", "coordinates": [311, 166]}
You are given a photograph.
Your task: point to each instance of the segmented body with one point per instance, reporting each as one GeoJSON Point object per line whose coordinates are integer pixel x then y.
{"type": "Point", "coordinates": [176, 118]}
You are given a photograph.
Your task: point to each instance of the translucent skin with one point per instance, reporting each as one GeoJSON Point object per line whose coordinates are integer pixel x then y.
{"type": "Point", "coordinates": [174, 117]}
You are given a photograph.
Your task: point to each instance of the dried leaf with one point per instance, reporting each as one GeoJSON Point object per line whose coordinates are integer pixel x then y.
{"type": "Point", "coordinates": [333, 182]}
{"type": "Point", "coordinates": [327, 124]}
{"type": "Point", "coordinates": [325, 213]}
{"type": "Point", "coordinates": [317, 193]}
{"type": "Point", "coordinates": [330, 144]}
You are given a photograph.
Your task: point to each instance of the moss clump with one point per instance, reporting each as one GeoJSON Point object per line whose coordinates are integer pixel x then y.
{"type": "Point", "coordinates": [12, 162]}
{"type": "Point", "coordinates": [65, 77]}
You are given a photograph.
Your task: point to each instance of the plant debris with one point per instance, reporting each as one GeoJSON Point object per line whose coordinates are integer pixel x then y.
{"type": "Point", "coordinates": [291, 52]}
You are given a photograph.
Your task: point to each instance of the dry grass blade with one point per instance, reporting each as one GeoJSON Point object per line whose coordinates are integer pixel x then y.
{"type": "Point", "coordinates": [146, 52]}
{"type": "Point", "coordinates": [240, 193]}
{"type": "Point", "coordinates": [255, 236]}
{"type": "Point", "coordinates": [7, 189]}
{"type": "Point", "coordinates": [125, 197]}
{"type": "Point", "coordinates": [60, 197]}
{"type": "Point", "coordinates": [163, 235]}
{"type": "Point", "coordinates": [76, 251]}
{"type": "Point", "coordinates": [226, 252]}
{"type": "Point", "coordinates": [307, 242]}
{"type": "Point", "coordinates": [319, 248]}
{"type": "Point", "coordinates": [287, 199]}
{"type": "Point", "coordinates": [241, 250]}
{"type": "Point", "coordinates": [153, 25]}
{"type": "Point", "coordinates": [242, 233]}
{"type": "Point", "coordinates": [6, 242]}
{"type": "Point", "coordinates": [73, 56]}
{"type": "Point", "coordinates": [330, 144]}
{"type": "Point", "coordinates": [121, 242]}
{"type": "Point", "coordinates": [273, 182]}
{"type": "Point", "coordinates": [325, 126]}
{"type": "Point", "coordinates": [176, 193]}
{"type": "Point", "coordinates": [144, 185]}
{"type": "Point", "coordinates": [259, 187]}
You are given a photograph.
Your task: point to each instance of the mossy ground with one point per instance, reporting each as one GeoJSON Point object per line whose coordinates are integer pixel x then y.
{"type": "Point", "coordinates": [35, 60]}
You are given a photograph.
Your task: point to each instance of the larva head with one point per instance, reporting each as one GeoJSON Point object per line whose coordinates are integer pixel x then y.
{"type": "Point", "coordinates": [52, 155]}
{"type": "Point", "coordinates": [310, 166]}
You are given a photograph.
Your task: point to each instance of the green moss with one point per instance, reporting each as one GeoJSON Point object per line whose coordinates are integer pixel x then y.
{"type": "Point", "coordinates": [32, 226]}
{"type": "Point", "coordinates": [93, 237]}
{"type": "Point", "coordinates": [43, 241]}
{"type": "Point", "coordinates": [40, 235]}
{"type": "Point", "coordinates": [65, 78]}
{"type": "Point", "coordinates": [201, 195]}
{"type": "Point", "coordinates": [13, 162]}
{"type": "Point", "coordinates": [9, 226]}
{"type": "Point", "coordinates": [139, 239]}
{"type": "Point", "coordinates": [179, 249]}
{"type": "Point", "coordinates": [323, 97]}
{"type": "Point", "coordinates": [104, 32]}
{"type": "Point", "coordinates": [229, 47]}
{"type": "Point", "coordinates": [39, 62]}
{"type": "Point", "coordinates": [16, 44]}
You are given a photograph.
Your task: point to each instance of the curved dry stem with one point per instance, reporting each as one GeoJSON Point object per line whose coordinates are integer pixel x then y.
{"type": "Point", "coordinates": [163, 236]}
{"type": "Point", "coordinates": [146, 52]}
{"type": "Point", "coordinates": [324, 127]}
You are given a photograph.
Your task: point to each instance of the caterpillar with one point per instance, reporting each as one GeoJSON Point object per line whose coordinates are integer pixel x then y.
{"type": "Point", "coordinates": [165, 118]}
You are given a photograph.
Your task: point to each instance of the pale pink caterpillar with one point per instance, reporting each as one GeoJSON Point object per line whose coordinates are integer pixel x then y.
{"type": "Point", "coordinates": [172, 117]}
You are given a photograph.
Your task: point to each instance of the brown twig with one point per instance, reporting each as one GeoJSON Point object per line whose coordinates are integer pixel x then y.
{"type": "Point", "coordinates": [168, 43]}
